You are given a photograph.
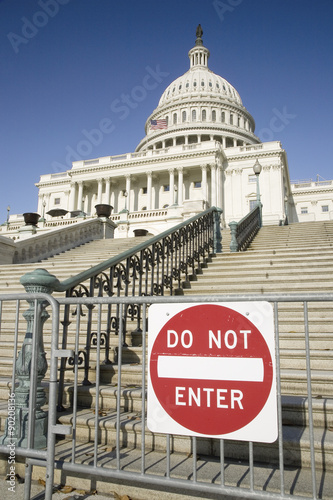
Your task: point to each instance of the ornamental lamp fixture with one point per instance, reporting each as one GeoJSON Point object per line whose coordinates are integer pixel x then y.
{"type": "Point", "coordinates": [257, 168]}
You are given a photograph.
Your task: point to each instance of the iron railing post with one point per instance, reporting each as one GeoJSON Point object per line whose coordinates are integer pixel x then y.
{"type": "Point", "coordinates": [28, 362]}
{"type": "Point", "coordinates": [217, 231]}
{"type": "Point", "coordinates": [233, 231]}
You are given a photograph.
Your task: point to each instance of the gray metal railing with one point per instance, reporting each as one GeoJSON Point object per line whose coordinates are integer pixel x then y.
{"type": "Point", "coordinates": [196, 470]}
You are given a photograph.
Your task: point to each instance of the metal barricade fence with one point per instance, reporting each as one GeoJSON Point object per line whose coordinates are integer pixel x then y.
{"type": "Point", "coordinates": [118, 447]}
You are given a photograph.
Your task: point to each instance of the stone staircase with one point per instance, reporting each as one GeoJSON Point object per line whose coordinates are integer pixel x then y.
{"type": "Point", "coordinates": [288, 259]}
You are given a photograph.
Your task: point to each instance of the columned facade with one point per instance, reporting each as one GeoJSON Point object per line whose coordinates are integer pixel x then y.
{"type": "Point", "coordinates": [201, 154]}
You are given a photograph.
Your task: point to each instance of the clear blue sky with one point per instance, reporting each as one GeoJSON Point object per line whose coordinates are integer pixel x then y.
{"type": "Point", "coordinates": [64, 63]}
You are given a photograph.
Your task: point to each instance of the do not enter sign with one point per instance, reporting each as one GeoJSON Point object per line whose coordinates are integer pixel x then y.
{"type": "Point", "coordinates": [212, 370]}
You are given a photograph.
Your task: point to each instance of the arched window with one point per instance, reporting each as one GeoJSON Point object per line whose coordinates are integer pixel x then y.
{"type": "Point", "coordinates": [194, 83]}
{"type": "Point", "coordinates": [194, 115]}
{"type": "Point", "coordinates": [239, 121]}
{"type": "Point", "coordinates": [167, 120]}
{"type": "Point", "coordinates": [214, 115]}
{"type": "Point", "coordinates": [223, 117]}
{"type": "Point", "coordinates": [174, 118]}
{"type": "Point", "coordinates": [204, 115]}
{"type": "Point", "coordinates": [184, 116]}
{"type": "Point", "coordinates": [231, 119]}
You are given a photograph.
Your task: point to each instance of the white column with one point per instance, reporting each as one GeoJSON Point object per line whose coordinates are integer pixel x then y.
{"type": "Point", "coordinates": [219, 186]}
{"type": "Point", "coordinates": [107, 190]}
{"type": "Point", "coordinates": [213, 184]}
{"type": "Point", "coordinates": [128, 189]}
{"type": "Point", "coordinates": [113, 197]}
{"type": "Point", "coordinates": [149, 190]}
{"type": "Point", "coordinates": [99, 192]}
{"type": "Point", "coordinates": [79, 196]}
{"type": "Point", "coordinates": [204, 181]}
{"type": "Point", "coordinates": [180, 186]}
{"type": "Point", "coordinates": [172, 185]}
{"type": "Point", "coordinates": [86, 203]}
{"type": "Point", "coordinates": [72, 196]}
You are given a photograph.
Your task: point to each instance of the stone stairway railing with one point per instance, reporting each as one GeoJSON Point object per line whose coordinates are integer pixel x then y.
{"type": "Point", "coordinates": [43, 245]}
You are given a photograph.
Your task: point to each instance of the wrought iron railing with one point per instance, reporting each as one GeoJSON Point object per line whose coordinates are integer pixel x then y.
{"type": "Point", "coordinates": [163, 265]}
{"type": "Point", "coordinates": [243, 232]}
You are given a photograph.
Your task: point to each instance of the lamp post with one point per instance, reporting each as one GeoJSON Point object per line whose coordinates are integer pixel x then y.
{"type": "Point", "coordinates": [8, 210]}
{"type": "Point", "coordinates": [257, 169]}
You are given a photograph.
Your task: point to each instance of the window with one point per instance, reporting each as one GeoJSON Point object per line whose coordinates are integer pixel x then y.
{"type": "Point", "coordinates": [253, 204]}
{"type": "Point", "coordinates": [187, 85]}
{"type": "Point", "coordinates": [304, 210]}
{"type": "Point", "coordinates": [202, 83]}
{"type": "Point", "coordinates": [57, 201]}
{"type": "Point", "coordinates": [324, 208]}
{"type": "Point", "coordinates": [167, 120]}
{"type": "Point", "coordinates": [184, 116]}
{"type": "Point", "coordinates": [144, 190]}
{"type": "Point", "coordinates": [214, 115]}
{"type": "Point", "coordinates": [204, 115]}
{"type": "Point", "coordinates": [231, 119]}
{"type": "Point", "coordinates": [166, 187]}
{"type": "Point", "coordinates": [223, 117]}
{"type": "Point", "coordinates": [194, 84]}
{"type": "Point", "coordinates": [197, 184]}
{"type": "Point", "coordinates": [194, 115]}
{"type": "Point", "coordinates": [174, 118]}
{"type": "Point", "coordinates": [210, 84]}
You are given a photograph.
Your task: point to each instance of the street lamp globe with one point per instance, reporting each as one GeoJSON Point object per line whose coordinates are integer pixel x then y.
{"type": "Point", "coordinates": [257, 167]}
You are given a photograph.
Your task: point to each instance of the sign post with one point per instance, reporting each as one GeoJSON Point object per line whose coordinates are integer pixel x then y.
{"type": "Point", "coordinates": [212, 370]}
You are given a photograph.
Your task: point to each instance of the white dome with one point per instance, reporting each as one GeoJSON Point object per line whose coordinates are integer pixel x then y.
{"type": "Point", "coordinates": [199, 103]}
{"type": "Point", "coordinates": [201, 81]}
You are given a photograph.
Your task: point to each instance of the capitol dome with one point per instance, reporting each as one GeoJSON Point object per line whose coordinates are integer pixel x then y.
{"type": "Point", "coordinates": [199, 106]}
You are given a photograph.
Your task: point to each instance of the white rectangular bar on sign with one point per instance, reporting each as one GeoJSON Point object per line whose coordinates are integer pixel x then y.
{"type": "Point", "coordinates": [211, 368]}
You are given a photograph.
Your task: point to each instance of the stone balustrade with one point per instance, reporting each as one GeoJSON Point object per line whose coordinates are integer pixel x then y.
{"type": "Point", "coordinates": [44, 245]}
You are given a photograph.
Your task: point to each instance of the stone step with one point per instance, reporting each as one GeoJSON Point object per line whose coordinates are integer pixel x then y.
{"type": "Point", "coordinates": [296, 440]}
{"type": "Point", "coordinates": [200, 288]}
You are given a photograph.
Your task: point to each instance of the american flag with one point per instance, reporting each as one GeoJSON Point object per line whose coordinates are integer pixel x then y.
{"type": "Point", "coordinates": [158, 124]}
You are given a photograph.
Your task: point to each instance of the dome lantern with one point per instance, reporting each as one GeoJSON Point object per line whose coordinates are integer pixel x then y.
{"type": "Point", "coordinates": [199, 54]}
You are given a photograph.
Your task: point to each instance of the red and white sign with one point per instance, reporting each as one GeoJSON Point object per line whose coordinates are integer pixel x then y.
{"type": "Point", "coordinates": [212, 370]}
